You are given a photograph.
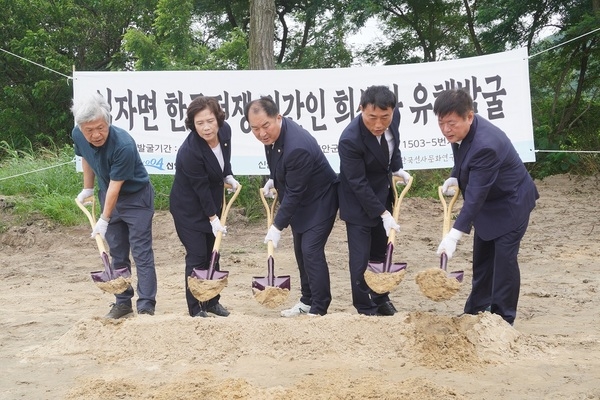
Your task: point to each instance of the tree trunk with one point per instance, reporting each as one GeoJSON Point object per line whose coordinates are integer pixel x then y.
{"type": "Point", "coordinates": [262, 31]}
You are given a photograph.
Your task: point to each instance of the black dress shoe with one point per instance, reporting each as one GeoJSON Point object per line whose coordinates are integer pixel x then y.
{"type": "Point", "coordinates": [218, 309]}
{"type": "Point", "coordinates": [201, 314]}
{"type": "Point", "coordinates": [386, 308]}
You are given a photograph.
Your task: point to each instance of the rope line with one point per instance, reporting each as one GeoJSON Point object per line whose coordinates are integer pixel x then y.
{"type": "Point", "coordinates": [531, 56]}
{"type": "Point", "coordinates": [568, 151]}
{"type": "Point", "coordinates": [37, 170]}
{"type": "Point", "coordinates": [562, 44]}
{"type": "Point", "coordinates": [34, 63]}
{"type": "Point", "coordinates": [72, 161]}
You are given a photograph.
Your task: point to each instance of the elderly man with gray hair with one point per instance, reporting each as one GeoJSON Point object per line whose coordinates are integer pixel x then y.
{"type": "Point", "coordinates": [126, 196]}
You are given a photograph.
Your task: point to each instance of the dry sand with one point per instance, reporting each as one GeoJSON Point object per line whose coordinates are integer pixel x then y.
{"type": "Point", "coordinates": [55, 343]}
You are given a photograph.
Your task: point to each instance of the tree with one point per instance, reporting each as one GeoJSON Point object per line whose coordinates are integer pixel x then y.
{"type": "Point", "coordinates": [34, 108]}
{"type": "Point", "coordinates": [565, 95]}
{"type": "Point", "coordinates": [420, 31]}
{"type": "Point", "coordinates": [262, 28]}
{"type": "Point", "coordinates": [213, 34]}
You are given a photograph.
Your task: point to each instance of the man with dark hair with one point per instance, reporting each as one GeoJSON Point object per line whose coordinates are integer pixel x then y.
{"type": "Point", "coordinates": [499, 196]}
{"type": "Point", "coordinates": [306, 186]}
{"type": "Point", "coordinates": [369, 155]}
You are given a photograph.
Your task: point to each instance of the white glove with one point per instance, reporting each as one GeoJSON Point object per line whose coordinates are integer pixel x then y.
{"type": "Point", "coordinates": [85, 193]}
{"type": "Point", "coordinates": [100, 228]}
{"type": "Point", "coordinates": [445, 187]}
{"type": "Point", "coordinates": [267, 189]}
{"type": "Point", "coordinates": [273, 235]}
{"type": "Point", "coordinates": [217, 227]}
{"type": "Point", "coordinates": [230, 180]}
{"type": "Point", "coordinates": [448, 243]}
{"type": "Point", "coordinates": [402, 174]}
{"type": "Point", "coordinates": [389, 223]}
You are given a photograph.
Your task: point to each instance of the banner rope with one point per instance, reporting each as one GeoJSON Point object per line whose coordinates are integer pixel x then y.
{"type": "Point", "coordinates": [562, 44]}
{"type": "Point", "coordinates": [531, 56]}
{"type": "Point", "coordinates": [38, 170]}
{"type": "Point", "coordinates": [72, 161]}
{"type": "Point", "coordinates": [568, 151]}
{"type": "Point", "coordinates": [34, 63]}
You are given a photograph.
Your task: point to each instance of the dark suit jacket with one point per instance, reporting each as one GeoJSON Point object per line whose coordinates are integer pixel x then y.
{"type": "Point", "coordinates": [498, 192]}
{"type": "Point", "coordinates": [364, 172]}
{"type": "Point", "coordinates": [305, 182]}
{"type": "Point", "coordinates": [197, 191]}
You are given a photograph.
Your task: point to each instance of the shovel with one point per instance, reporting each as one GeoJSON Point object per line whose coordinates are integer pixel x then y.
{"type": "Point", "coordinates": [458, 275]}
{"type": "Point", "coordinates": [207, 283]}
{"type": "Point", "coordinates": [111, 280]}
{"type": "Point", "coordinates": [388, 267]}
{"type": "Point", "coordinates": [270, 290]}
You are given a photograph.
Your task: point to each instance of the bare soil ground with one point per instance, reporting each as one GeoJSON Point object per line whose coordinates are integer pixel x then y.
{"type": "Point", "coordinates": [55, 343]}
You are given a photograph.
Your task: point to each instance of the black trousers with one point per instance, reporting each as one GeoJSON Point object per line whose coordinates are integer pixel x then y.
{"type": "Point", "coordinates": [309, 248]}
{"type": "Point", "coordinates": [496, 275]}
{"type": "Point", "coordinates": [198, 249]}
{"type": "Point", "coordinates": [365, 244]}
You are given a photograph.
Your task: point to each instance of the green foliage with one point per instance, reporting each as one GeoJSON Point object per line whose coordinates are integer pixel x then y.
{"type": "Point", "coordinates": [162, 187]}
{"type": "Point", "coordinates": [512, 23]}
{"type": "Point", "coordinates": [248, 199]}
{"type": "Point", "coordinates": [35, 101]}
{"type": "Point", "coordinates": [45, 182]}
{"type": "Point", "coordinates": [419, 31]}
{"type": "Point", "coordinates": [564, 89]}
{"type": "Point", "coordinates": [232, 54]}
{"type": "Point", "coordinates": [426, 182]}
{"type": "Point", "coordinates": [115, 35]}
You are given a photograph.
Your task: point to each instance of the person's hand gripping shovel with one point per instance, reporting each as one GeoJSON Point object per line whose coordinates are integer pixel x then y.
{"type": "Point", "coordinates": [204, 284]}
{"type": "Point", "coordinates": [382, 277]}
{"type": "Point", "coordinates": [436, 283]}
{"type": "Point", "coordinates": [111, 280]}
{"type": "Point", "coordinates": [271, 291]}
{"type": "Point", "coordinates": [458, 275]}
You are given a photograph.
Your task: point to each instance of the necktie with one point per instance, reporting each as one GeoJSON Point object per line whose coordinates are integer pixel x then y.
{"type": "Point", "coordinates": [385, 148]}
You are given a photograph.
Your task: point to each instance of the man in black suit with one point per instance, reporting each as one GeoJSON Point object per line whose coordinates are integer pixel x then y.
{"type": "Point", "coordinates": [498, 197]}
{"type": "Point", "coordinates": [306, 187]}
{"type": "Point", "coordinates": [369, 156]}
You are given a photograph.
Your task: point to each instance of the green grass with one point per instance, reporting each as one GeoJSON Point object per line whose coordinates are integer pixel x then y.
{"type": "Point", "coordinates": [45, 183]}
{"type": "Point", "coordinates": [426, 182]}
{"type": "Point", "coordinates": [247, 200]}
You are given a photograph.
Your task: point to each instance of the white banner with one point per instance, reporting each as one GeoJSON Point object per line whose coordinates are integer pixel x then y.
{"type": "Point", "coordinates": [151, 105]}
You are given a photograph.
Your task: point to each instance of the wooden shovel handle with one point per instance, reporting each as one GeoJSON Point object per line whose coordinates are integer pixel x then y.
{"type": "Point", "coordinates": [397, 200]}
{"type": "Point", "coordinates": [225, 211]}
{"type": "Point", "coordinates": [92, 219]}
{"type": "Point", "coordinates": [270, 211]}
{"type": "Point", "coordinates": [447, 208]}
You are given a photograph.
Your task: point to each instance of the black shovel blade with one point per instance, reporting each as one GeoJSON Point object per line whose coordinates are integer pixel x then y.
{"type": "Point", "coordinates": [261, 283]}
{"type": "Point", "coordinates": [211, 273]}
{"type": "Point", "coordinates": [458, 275]}
{"type": "Point", "coordinates": [282, 282]}
{"type": "Point", "coordinates": [387, 265]}
{"type": "Point", "coordinates": [380, 268]}
{"type": "Point", "coordinates": [103, 276]}
{"type": "Point", "coordinates": [207, 275]}
{"type": "Point", "coordinates": [109, 273]}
